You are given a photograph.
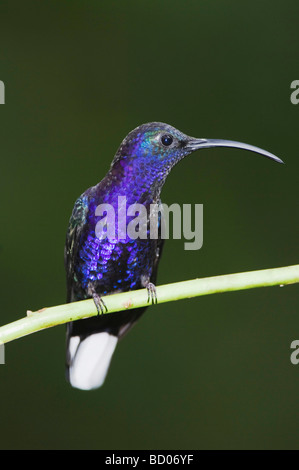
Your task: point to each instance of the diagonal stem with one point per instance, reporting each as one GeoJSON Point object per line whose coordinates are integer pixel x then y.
{"type": "Point", "coordinates": [60, 314]}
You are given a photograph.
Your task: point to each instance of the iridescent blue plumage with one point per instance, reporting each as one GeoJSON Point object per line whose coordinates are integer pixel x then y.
{"type": "Point", "coordinates": [96, 267]}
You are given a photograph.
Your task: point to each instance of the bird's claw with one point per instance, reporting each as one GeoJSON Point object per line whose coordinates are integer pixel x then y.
{"type": "Point", "coordinates": [100, 304]}
{"type": "Point", "coordinates": [151, 289]}
{"type": "Point", "coordinates": [151, 293]}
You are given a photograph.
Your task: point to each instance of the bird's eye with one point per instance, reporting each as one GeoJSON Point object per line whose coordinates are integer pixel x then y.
{"type": "Point", "coordinates": [166, 140]}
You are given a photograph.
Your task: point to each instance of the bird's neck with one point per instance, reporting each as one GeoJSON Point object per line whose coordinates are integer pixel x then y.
{"type": "Point", "coordinates": [137, 182]}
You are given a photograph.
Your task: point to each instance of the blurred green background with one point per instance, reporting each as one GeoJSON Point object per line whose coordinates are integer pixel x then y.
{"type": "Point", "coordinates": [207, 373]}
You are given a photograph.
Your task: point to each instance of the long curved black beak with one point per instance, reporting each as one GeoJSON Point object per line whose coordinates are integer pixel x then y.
{"type": "Point", "coordinates": [197, 144]}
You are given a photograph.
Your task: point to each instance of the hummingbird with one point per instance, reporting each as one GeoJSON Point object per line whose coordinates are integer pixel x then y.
{"type": "Point", "coordinates": [98, 266]}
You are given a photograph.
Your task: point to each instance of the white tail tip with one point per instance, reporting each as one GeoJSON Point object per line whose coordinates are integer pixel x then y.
{"type": "Point", "coordinates": [90, 359]}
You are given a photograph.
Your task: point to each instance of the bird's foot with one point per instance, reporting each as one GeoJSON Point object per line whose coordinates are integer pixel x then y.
{"type": "Point", "coordinates": [151, 293]}
{"type": "Point", "coordinates": [151, 290]}
{"type": "Point", "coordinates": [100, 304]}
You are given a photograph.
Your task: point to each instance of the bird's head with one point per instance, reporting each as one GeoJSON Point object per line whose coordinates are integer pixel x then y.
{"type": "Point", "coordinates": [153, 144]}
{"type": "Point", "coordinates": [154, 148]}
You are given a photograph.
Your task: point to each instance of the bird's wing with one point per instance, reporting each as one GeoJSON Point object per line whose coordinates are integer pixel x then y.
{"type": "Point", "coordinates": [74, 232]}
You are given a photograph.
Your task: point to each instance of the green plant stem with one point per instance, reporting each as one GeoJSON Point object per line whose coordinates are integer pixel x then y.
{"type": "Point", "coordinates": [52, 316]}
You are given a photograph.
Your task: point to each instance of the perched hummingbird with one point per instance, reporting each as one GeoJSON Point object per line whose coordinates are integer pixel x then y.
{"type": "Point", "coordinates": [99, 266]}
